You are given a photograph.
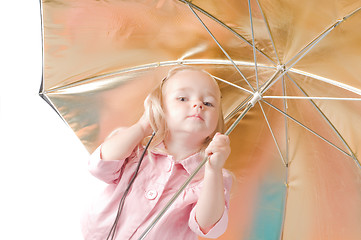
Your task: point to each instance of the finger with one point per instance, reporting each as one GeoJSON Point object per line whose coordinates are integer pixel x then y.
{"type": "Point", "coordinates": [220, 136]}
{"type": "Point", "coordinates": [223, 142]}
{"type": "Point", "coordinates": [218, 148]}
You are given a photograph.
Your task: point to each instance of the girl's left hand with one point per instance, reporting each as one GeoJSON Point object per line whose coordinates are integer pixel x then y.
{"type": "Point", "coordinates": [218, 151]}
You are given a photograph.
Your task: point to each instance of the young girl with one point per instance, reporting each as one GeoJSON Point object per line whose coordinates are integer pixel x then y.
{"type": "Point", "coordinates": [185, 112]}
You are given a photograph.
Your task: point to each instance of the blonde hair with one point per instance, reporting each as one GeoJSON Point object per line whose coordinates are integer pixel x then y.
{"type": "Point", "coordinates": [154, 109]}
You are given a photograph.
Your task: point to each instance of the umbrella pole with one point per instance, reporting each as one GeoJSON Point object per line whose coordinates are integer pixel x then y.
{"type": "Point", "coordinates": [251, 103]}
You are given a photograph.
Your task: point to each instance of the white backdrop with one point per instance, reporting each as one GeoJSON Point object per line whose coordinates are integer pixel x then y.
{"type": "Point", "coordinates": [44, 182]}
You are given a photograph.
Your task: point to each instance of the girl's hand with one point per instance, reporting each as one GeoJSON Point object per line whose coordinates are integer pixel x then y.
{"type": "Point", "coordinates": [145, 125]}
{"type": "Point", "coordinates": [218, 151]}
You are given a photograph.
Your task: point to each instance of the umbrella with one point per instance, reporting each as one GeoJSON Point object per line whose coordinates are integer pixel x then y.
{"type": "Point", "coordinates": [293, 65]}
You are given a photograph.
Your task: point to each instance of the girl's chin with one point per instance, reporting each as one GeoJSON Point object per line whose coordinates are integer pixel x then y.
{"type": "Point", "coordinates": [197, 133]}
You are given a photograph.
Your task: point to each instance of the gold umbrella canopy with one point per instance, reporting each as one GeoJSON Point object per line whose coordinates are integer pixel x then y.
{"type": "Point", "coordinates": [295, 155]}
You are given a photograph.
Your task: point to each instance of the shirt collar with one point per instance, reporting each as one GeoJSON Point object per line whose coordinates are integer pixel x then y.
{"type": "Point", "coordinates": [189, 163]}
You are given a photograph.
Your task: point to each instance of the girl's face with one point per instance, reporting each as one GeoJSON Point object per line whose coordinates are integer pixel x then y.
{"type": "Point", "coordinates": [191, 103]}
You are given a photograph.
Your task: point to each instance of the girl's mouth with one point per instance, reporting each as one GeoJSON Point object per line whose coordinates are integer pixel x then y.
{"type": "Point", "coordinates": [196, 116]}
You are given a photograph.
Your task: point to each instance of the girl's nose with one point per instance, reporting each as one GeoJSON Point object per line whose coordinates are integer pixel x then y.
{"type": "Point", "coordinates": [198, 105]}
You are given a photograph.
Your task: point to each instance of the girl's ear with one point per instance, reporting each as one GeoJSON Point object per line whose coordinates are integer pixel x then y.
{"type": "Point", "coordinates": [148, 106]}
{"type": "Point", "coordinates": [153, 108]}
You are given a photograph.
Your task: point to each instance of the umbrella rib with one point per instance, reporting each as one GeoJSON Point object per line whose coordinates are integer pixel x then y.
{"type": "Point", "coordinates": [269, 32]}
{"type": "Point", "coordinates": [329, 81]}
{"type": "Point", "coordinates": [253, 44]}
{"type": "Point", "coordinates": [303, 52]}
{"type": "Point", "coordinates": [306, 50]}
{"type": "Point", "coordinates": [149, 66]}
{"type": "Point", "coordinates": [328, 121]}
{"type": "Point", "coordinates": [232, 84]}
{"type": "Point", "coordinates": [219, 45]}
{"type": "Point", "coordinates": [312, 98]}
{"type": "Point", "coordinates": [307, 128]}
{"type": "Point", "coordinates": [285, 107]}
{"type": "Point", "coordinates": [296, 61]}
{"type": "Point", "coordinates": [310, 46]}
{"type": "Point", "coordinates": [238, 108]}
{"type": "Point", "coordinates": [313, 43]}
{"type": "Point", "coordinates": [227, 27]}
{"type": "Point", "coordinates": [273, 136]}
{"type": "Point", "coordinates": [48, 101]}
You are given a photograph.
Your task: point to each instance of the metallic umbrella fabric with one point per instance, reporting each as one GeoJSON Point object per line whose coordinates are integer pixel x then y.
{"type": "Point", "coordinates": [295, 155]}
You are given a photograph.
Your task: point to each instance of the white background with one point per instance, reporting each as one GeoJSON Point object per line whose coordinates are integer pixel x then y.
{"type": "Point", "coordinates": [44, 182]}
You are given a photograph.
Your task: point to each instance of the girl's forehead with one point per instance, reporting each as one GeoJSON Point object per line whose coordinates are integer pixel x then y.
{"type": "Point", "coordinates": [191, 79]}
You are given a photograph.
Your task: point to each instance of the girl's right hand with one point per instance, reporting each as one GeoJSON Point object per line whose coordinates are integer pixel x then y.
{"type": "Point", "coordinates": [145, 125]}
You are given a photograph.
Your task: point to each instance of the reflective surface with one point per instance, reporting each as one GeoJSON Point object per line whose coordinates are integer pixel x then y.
{"type": "Point", "coordinates": [299, 180]}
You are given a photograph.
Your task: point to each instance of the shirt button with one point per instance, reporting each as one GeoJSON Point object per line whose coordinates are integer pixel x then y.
{"type": "Point", "coordinates": [151, 194]}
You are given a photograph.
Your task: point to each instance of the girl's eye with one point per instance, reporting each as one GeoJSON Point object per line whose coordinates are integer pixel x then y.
{"type": "Point", "coordinates": [182, 99]}
{"type": "Point", "coordinates": [208, 104]}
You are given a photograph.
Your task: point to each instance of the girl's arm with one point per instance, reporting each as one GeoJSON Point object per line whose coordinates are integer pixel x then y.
{"type": "Point", "coordinates": [121, 144]}
{"type": "Point", "coordinates": [211, 202]}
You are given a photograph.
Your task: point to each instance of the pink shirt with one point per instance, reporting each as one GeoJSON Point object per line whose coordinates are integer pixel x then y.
{"type": "Point", "coordinates": [158, 179]}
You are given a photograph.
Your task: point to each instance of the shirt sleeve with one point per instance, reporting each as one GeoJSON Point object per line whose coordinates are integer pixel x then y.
{"type": "Point", "coordinates": [217, 230]}
{"type": "Point", "coordinates": [220, 227]}
{"type": "Point", "coordinates": [107, 171]}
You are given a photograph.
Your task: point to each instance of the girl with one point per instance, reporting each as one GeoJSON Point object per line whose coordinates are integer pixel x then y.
{"type": "Point", "coordinates": [185, 112]}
